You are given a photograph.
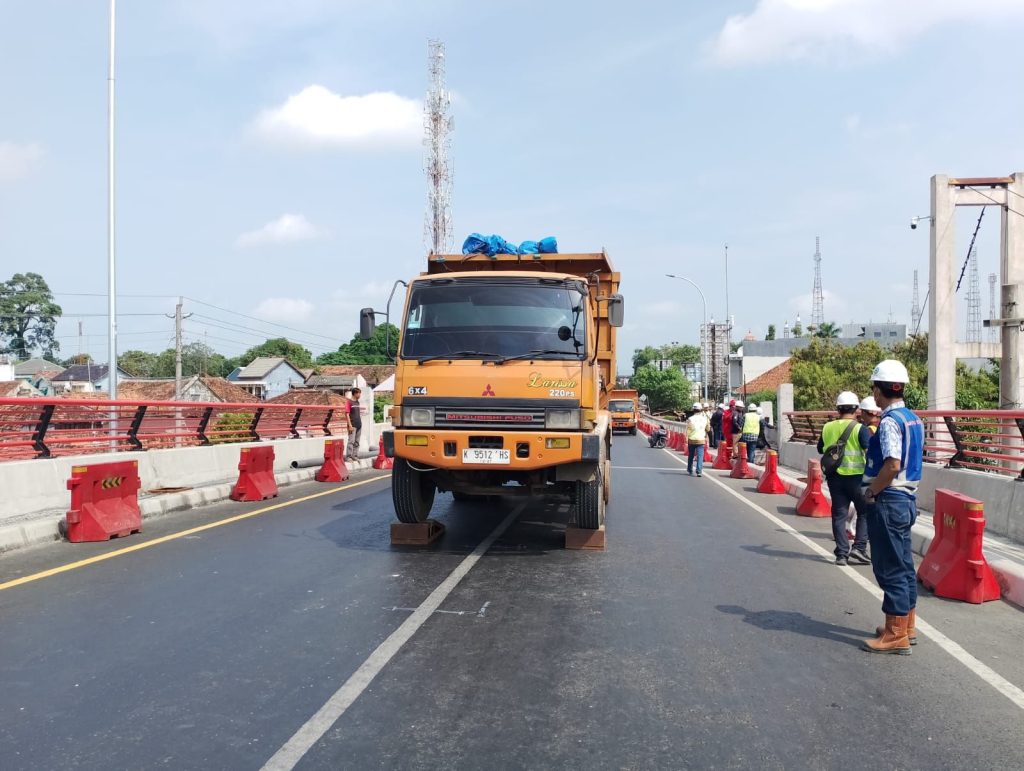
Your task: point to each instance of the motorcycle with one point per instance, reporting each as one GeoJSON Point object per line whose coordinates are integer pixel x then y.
{"type": "Point", "coordinates": [658, 438]}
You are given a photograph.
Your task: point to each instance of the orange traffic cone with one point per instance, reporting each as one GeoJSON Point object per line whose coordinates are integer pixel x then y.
{"type": "Point", "coordinates": [770, 481]}
{"type": "Point", "coordinates": [813, 502]}
{"type": "Point", "coordinates": [741, 469]}
{"type": "Point", "coordinates": [722, 461]}
{"type": "Point", "coordinates": [382, 461]}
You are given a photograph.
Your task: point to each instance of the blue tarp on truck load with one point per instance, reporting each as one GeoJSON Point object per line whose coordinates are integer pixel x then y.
{"type": "Point", "coordinates": [491, 245]}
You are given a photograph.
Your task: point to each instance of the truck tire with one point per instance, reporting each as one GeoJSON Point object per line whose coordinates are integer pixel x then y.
{"type": "Point", "coordinates": [632, 431]}
{"type": "Point", "coordinates": [590, 503]}
{"type": "Point", "coordinates": [412, 492]}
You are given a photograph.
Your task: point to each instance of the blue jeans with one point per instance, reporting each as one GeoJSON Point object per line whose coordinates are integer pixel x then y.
{"type": "Point", "coordinates": [890, 518]}
{"type": "Point", "coordinates": [751, 442]}
{"type": "Point", "coordinates": [844, 490]}
{"type": "Point", "coordinates": [695, 451]}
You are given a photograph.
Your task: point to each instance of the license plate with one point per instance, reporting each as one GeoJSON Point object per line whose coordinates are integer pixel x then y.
{"type": "Point", "coordinates": [472, 455]}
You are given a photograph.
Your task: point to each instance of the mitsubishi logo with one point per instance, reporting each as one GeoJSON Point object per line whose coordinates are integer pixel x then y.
{"type": "Point", "coordinates": [488, 391]}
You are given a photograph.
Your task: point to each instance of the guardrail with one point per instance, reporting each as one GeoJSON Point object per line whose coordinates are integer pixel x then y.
{"type": "Point", "coordinates": [45, 428]}
{"type": "Point", "coordinates": [986, 440]}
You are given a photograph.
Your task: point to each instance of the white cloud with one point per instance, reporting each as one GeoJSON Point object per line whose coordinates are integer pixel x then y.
{"type": "Point", "coordinates": [317, 117]}
{"type": "Point", "coordinates": [835, 307]}
{"type": "Point", "coordinates": [18, 160]}
{"type": "Point", "coordinates": [285, 229]}
{"type": "Point", "coordinates": [284, 309]}
{"type": "Point", "coordinates": [789, 30]}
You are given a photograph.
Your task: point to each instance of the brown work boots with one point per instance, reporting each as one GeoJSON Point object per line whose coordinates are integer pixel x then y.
{"type": "Point", "coordinates": [894, 637]}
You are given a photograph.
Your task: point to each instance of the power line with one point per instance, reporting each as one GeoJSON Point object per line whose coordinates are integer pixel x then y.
{"type": "Point", "coordinates": [262, 321]}
{"type": "Point", "coordinates": [230, 326]}
{"type": "Point", "coordinates": [997, 203]}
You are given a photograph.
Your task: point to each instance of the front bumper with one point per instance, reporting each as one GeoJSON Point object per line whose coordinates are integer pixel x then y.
{"type": "Point", "coordinates": [443, 449]}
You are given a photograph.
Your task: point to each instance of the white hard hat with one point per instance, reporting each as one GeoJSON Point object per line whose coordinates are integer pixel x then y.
{"type": "Point", "coordinates": [890, 371]}
{"type": "Point", "coordinates": [869, 405]}
{"type": "Point", "coordinates": [760, 411]}
{"type": "Point", "coordinates": [739, 403]}
{"type": "Point", "coordinates": [723, 406]}
{"type": "Point", "coordinates": [696, 405]}
{"type": "Point", "coordinates": [847, 399]}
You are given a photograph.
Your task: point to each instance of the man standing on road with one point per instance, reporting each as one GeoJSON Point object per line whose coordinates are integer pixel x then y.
{"type": "Point", "coordinates": [892, 474]}
{"type": "Point", "coordinates": [750, 430]}
{"type": "Point", "coordinates": [844, 485]}
{"type": "Point", "coordinates": [716, 426]}
{"type": "Point", "coordinates": [736, 427]}
{"type": "Point", "coordinates": [355, 425]}
{"type": "Point", "coordinates": [697, 427]}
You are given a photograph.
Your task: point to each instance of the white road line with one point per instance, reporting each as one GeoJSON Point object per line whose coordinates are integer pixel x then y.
{"type": "Point", "coordinates": [647, 468]}
{"type": "Point", "coordinates": [313, 729]}
{"type": "Point", "coordinates": [983, 671]}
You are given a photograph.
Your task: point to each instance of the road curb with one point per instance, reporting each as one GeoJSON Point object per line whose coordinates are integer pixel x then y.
{"type": "Point", "coordinates": [46, 529]}
{"type": "Point", "coordinates": [1009, 574]}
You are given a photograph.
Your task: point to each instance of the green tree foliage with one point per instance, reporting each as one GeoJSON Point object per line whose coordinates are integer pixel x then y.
{"type": "Point", "coordinates": [677, 354]}
{"type": "Point", "coordinates": [279, 346]}
{"type": "Point", "coordinates": [137, 363]}
{"type": "Point", "coordinates": [798, 330]}
{"type": "Point", "coordinates": [771, 332]}
{"type": "Point", "coordinates": [78, 358]}
{"type": "Point", "coordinates": [827, 330]}
{"type": "Point", "coordinates": [359, 351]}
{"type": "Point", "coordinates": [196, 359]}
{"type": "Point", "coordinates": [380, 404]}
{"type": "Point", "coordinates": [666, 390]}
{"type": "Point", "coordinates": [824, 368]}
{"type": "Point", "coordinates": [28, 316]}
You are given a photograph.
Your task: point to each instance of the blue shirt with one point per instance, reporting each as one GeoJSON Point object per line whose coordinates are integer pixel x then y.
{"type": "Point", "coordinates": [900, 436]}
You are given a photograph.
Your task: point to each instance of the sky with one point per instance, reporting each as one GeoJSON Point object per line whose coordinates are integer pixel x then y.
{"type": "Point", "coordinates": [269, 154]}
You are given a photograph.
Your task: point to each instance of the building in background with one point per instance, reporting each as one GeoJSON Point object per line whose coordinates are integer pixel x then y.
{"type": "Point", "coordinates": [268, 376]}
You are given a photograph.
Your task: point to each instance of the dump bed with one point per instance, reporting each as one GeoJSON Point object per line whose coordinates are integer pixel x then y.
{"type": "Point", "coordinates": [595, 266]}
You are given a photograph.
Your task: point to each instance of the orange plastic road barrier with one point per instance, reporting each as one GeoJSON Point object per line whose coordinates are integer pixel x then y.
{"type": "Point", "coordinates": [334, 468]}
{"type": "Point", "coordinates": [382, 461]}
{"type": "Point", "coordinates": [722, 461]}
{"type": "Point", "coordinates": [741, 469]}
{"type": "Point", "coordinates": [707, 453]}
{"type": "Point", "coordinates": [770, 481]}
{"type": "Point", "coordinates": [104, 501]}
{"type": "Point", "coordinates": [813, 502]}
{"type": "Point", "coordinates": [955, 566]}
{"type": "Point", "coordinates": [673, 440]}
{"type": "Point", "coordinates": [680, 442]}
{"type": "Point", "coordinates": [256, 480]}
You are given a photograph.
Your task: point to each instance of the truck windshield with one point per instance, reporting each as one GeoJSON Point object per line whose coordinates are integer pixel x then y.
{"type": "Point", "coordinates": [502, 318]}
{"type": "Point", "coordinates": [620, 405]}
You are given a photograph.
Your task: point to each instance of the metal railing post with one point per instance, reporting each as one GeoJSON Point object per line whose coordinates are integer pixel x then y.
{"type": "Point", "coordinates": [204, 421]}
{"type": "Point", "coordinates": [39, 434]}
{"type": "Point", "coordinates": [253, 436]}
{"type": "Point", "coordinates": [327, 422]}
{"type": "Point", "coordinates": [954, 434]}
{"type": "Point", "coordinates": [133, 430]}
{"type": "Point", "coordinates": [295, 422]}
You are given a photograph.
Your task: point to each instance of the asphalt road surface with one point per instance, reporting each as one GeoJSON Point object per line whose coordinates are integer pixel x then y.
{"type": "Point", "coordinates": [707, 635]}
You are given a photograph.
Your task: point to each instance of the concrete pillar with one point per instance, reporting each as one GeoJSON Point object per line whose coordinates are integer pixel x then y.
{"type": "Point", "coordinates": [1011, 266]}
{"type": "Point", "coordinates": [785, 402]}
{"type": "Point", "coordinates": [942, 299]}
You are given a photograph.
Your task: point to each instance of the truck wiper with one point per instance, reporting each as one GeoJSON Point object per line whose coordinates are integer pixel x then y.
{"type": "Point", "coordinates": [455, 355]}
{"type": "Point", "coordinates": [530, 354]}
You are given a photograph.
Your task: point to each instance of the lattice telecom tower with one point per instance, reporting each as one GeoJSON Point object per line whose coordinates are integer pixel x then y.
{"type": "Point", "coordinates": [915, 308]}
{"type": "Point", "coordinates": [973, 301]}
{"type": "Point", "coordinates": [438, 126]}
{"type": "Point", "coordinates": [818, 309]}
{"type": "Point", "coordinates": [993, 332]}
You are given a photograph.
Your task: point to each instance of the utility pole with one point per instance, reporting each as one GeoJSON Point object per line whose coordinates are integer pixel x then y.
{"type": "Point", "coordinates": [728, 329]}
{"type": "Point", "coordinates": [178, 318]}
{"type": "Point", "coordinates": [111, 268]}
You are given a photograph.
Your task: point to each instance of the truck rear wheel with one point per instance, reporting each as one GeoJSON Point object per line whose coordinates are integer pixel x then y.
{"type": "Point", "coordinates": [590, 502]}
{"type": "Point", "coordinates": [412, 492]}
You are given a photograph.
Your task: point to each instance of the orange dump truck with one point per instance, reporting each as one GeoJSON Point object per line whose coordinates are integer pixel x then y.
{"type": "Point", "coordinates": [503, 376]}
{"type": "Point", "coordinates": [624, 405]}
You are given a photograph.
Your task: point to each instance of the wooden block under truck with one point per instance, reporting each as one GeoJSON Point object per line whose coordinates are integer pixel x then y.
{"type": "Point", "coordinates": [504, 369]}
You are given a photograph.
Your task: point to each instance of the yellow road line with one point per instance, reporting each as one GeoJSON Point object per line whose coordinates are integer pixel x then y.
{"type": "Point", "coordinates": [174, 536]}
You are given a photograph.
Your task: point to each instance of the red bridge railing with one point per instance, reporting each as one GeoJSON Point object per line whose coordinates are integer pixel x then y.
{"type": "Point", "coordinates": [986, 440]}
{"type": "Point", "coordinates": [44, 428]}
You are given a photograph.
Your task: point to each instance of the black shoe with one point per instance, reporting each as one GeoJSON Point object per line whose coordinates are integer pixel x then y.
{"type": "Point", "coordinates": [860, 557]}
{"type": "Point", "coordinates": [842, 562]}
{"type": "Point", "coordinates": [699, 474]}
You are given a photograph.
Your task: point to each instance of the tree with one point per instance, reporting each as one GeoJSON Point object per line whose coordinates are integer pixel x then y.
{"type": "Point", "coordinates": [196, 359]}
{"type": "Point", "coordinates": [827, 330]}
{"type": "Point", "coordinates": [78, 358]}
{"type": "Point", "coordinates": [138, 363]}
{"type": "Point", "coordinates": [381, 349]}
{"type": "Point", "coordinates": [676, 353]}
{"type": "Point", "coordinates": [771, 332]}
{"type": "Point", "coordinates": [279, 346]}
{"type": "Point", "coordinates": [798, 331]}
{"type": "Point", "coordinates": [28, 316]}
{"type": "Point", "coordinates": [666, 390]}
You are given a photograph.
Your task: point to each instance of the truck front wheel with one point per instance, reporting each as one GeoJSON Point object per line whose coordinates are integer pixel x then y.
{"type": "Point", "coordinates": [412, 492]}
{"type": "Point", "coordinates": [590, 502]}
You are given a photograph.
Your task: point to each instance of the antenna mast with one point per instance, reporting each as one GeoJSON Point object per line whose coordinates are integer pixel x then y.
{"type": "Point", "coordinates": [818, 309]}
{"type": "Point", "coordinates": [438, 126]}
{"type": "Point", "coordinates": [915, 308]}
{"type": "Point", "coordinates": [973, 301]}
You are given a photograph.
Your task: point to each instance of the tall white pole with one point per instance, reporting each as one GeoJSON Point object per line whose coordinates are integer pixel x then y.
{"type": "Point", "coordinates": [728, 329]}
{"type": "Point", "coordinates": [111, 270]}
{"type": "Point", "coordinates": [703, 299]}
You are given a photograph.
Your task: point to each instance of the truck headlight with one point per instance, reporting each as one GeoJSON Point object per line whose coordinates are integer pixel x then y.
{"type": "Point", "coordinates": [558, 418]}
{"type": "Point", "coordinates": [417, 417]}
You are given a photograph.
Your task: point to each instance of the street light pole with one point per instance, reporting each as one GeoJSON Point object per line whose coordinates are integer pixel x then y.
{"type": "Point", "coordinates": [703, 363]}
{"type": "Point", "coordinates": [111, 271]}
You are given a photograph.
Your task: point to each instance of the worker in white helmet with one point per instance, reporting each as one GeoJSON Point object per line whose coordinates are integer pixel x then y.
{"type": "Point", "coordinates": [697, 428]}
{"type": "Point", "coordinates": [869, 413]}
{"type": "Point", "coordinates": [892, 474]}
{"type": "Point", "coordinates": [736, 426]}
{"type": "Point", "coordinates": [716, 426]}
{"type": "Point", "coordinates": [846, 440]}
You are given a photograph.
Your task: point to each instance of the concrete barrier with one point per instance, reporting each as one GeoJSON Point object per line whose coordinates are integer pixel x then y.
{"type": "Point", "coordinates": [1003, 496]}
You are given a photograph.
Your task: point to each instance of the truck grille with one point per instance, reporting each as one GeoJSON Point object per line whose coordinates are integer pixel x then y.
{"type": "Point", "coordinates": [508, 419]}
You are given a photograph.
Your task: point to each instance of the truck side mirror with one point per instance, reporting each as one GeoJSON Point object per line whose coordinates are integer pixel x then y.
{"type": "Point", "coordinates": [367, 323]}
{"type": "Point", "coordinates": [616, 309]}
